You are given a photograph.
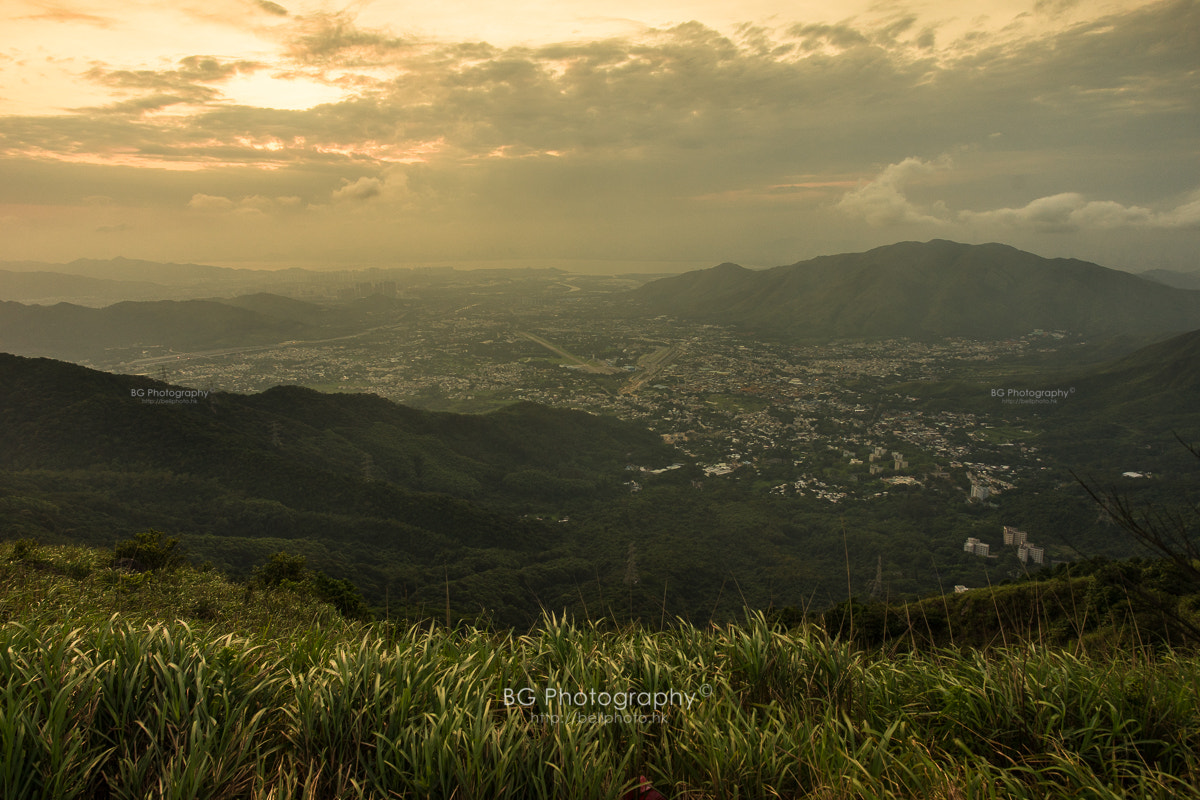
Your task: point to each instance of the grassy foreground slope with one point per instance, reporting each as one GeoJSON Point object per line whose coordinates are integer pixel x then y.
{"type": "Point", "coordinates": [274, 697]}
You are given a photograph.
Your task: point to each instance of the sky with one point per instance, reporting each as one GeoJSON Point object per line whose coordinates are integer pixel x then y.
{"type": "Point", "coordinates": [684, 134]}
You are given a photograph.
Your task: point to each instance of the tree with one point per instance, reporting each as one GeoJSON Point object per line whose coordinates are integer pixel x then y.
{"type": "Point", "coordinates": [1171, 533]}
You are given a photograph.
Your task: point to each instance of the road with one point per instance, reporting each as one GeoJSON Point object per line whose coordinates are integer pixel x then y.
{"type": "Point", "coordinates": [153, 360]}
{"type": "Point", "coordinates": [651, 365]}
{"type": "Point", "coordinates": [587, 366]}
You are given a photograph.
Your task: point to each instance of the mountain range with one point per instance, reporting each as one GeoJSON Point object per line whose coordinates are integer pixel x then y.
{"type": "Point", "coordinates": [926, 290]}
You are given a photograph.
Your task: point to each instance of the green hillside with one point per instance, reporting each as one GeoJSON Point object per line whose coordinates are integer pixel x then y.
{"type": "Point", "coordinates": [518, 510]}
{"type": "Point", "coordinates": [1121, 414]}
{"type": "Point", "coordinates": [400, 500]}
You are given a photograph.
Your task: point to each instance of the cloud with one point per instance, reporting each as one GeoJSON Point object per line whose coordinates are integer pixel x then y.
{"type": "Point", "coordinates": [1054, 7]}
{"type": "Point", "coordinates": [362, 189]}
{"type": "Point", "coordinates": [188, 83]}
{"type": "Point", "coordinates": [249, 204]}
{"type": "Point", "coordinates": [718, 112]}
{"type": "Point", "coordinates": [661, 138]}
{"type": "Point", "coordinates": [882, 201]}
{"type": "Point", "coordinates": [70, 16]}
{"type": "Point", "coordinates": [257, 202]}
{"type": "Point", "coordinates": [1069, 212]}
{"type": "Point", "coordinates": [335, 39]}
{"type": "Point", "coordinates": [1185, 215]}
{"type": "Point", "coordinates": [1063, 212]}
{"type": "Point", "coordinates": [190, 71]}
{"type": "Point", "coordinates": [208, 202]}
{"type": "Point", "coordinates": [817, 37]}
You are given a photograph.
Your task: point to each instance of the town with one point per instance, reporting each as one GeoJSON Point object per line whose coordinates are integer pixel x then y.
{"type": "Point", "coordinates": [824, 420]}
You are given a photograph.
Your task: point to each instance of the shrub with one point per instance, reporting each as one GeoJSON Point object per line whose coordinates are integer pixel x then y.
{"type": "Point", "coordinates": [342, 595]}
{"type": "Point", "coordinates": [24, 550]}
{"type": "Point", "coordinates": [152, 550]}
{"type": "Point", "coordinates": [281, 567]}
{"type": "Point", "coordinates": [290, 572]}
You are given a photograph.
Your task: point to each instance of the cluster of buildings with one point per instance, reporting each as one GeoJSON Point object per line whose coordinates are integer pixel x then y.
{"type": "Point", "coordinates": [1027, 552]}
{"type": "Point", "coordinates": [878, 453]}
{"type": "Point", "coordinates": [977, 548]}
{"type": "Point", "coordinates": [810, 484]}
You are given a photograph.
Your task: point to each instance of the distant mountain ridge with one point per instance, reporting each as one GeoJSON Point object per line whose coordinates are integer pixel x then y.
{"type": "Point", "coordinates": [1172, 277]}
{"type": "Point", "coordinates": [95, 282]}
{"type": "Point", "coordinates": [22, 286]}
{"type": "Point", "coordinates": [131, 269]}
{"type": "Point", "coordinates": [73, 332]}
{"type": "Point", "coordinates": [112, 333]}
{"type": "Point", "coordinates": [924, 290]}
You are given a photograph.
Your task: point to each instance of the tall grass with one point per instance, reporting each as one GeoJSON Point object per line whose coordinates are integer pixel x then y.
{"type": "Point", "coordinates": [271, 698]}
{"type": "Point", "coordinates": [128, 710]}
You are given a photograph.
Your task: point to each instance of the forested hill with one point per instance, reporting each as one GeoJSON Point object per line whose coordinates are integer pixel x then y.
{"type": "Point", "coordinates": [366, 489]}
{"type": "Point", "coordinates": [931, 289]}
{"type": "Point", "coordinates": [59, 415]}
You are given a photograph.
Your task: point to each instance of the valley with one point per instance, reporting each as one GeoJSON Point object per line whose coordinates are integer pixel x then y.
{"type": "Point", "coordinates": [791, 413]}
{"type": "Point", "coordinates": [701, 467]}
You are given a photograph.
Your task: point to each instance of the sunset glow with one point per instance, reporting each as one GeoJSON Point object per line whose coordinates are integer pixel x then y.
{"type": "Point", "coordinates": [761, 133]}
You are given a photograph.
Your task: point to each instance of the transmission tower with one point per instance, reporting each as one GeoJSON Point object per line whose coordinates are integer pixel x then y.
{"type": "Point", "coordinates": [875, 587]}
{"type": "Point", "coordinates": [631, 571]}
